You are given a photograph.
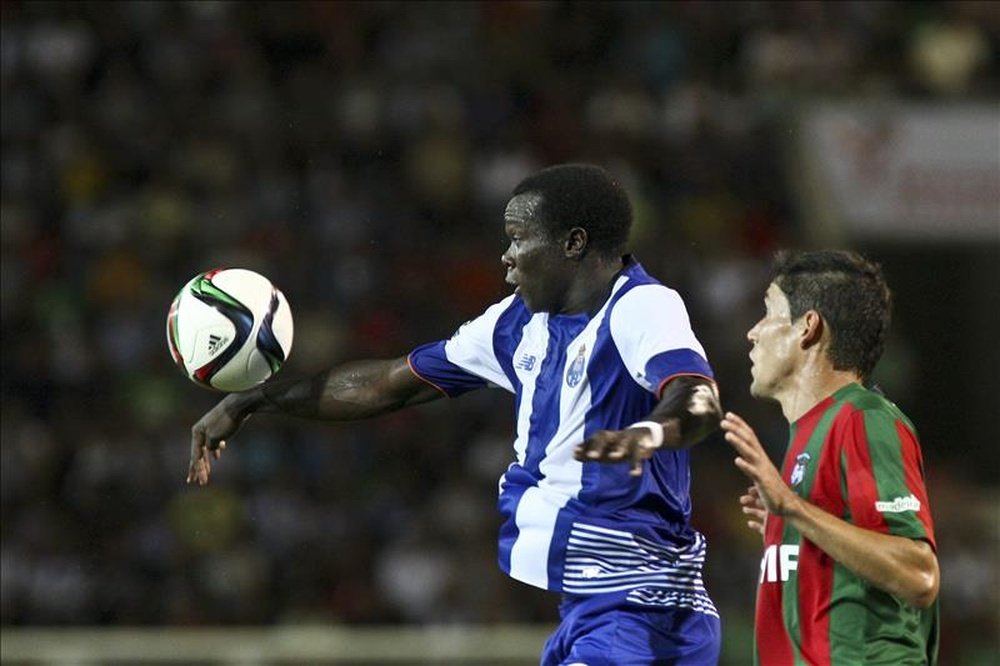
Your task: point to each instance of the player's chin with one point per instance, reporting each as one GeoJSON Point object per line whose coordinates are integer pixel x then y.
{"type": "Point", "coordinates": [757, 389]}
{"type": "Point", "coordinates": [527, 299]}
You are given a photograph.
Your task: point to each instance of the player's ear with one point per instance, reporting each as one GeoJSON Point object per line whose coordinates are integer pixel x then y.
{"type": "Point", "coordinates": [576, 242]}
{"type": "Point", "coordinates": [812, 328]}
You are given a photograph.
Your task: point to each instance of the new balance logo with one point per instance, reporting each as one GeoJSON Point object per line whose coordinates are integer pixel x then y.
{"type": "Point", "coordinates": [216, 343]}
{"type": "Point", "coordinates": [527, 362]}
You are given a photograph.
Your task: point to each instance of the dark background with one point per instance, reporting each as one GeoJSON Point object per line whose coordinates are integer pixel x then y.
{"type": "Point", "coordinates": [360, 155]}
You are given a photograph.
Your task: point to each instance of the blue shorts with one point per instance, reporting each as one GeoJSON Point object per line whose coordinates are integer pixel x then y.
{"type": "Point", "coordinates": [606, 630]}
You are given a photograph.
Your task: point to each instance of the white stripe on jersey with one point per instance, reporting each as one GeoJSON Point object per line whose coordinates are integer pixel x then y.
{"type": "Point", "coordinates": [534, 343]}
{"type": "Point", "coordinates": [536, 520]}
{"type": "Point", "coordinates": [562, 476]}
{"type": "Point", "coordinates": [472, 350]}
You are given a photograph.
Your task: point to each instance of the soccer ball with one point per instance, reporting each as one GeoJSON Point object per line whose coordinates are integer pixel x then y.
{"type": "Point", "coordinates": [229, 329]}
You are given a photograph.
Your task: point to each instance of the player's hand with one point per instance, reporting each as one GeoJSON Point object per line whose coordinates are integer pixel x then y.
{"type": "Point", "coordinates": [755, 510]}
{"type": "Point", "coordinates": [632, 445]}
{"type": "Point", "coordinates": [209, 435]}
{"type": "Point", "coordinates": [772, 491]}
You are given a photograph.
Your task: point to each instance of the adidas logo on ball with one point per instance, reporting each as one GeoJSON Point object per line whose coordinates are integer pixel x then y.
{"type": "Point", "coordinates": [215, 343]}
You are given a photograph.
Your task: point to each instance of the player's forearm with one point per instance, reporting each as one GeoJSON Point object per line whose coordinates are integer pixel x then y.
{"type": "Point", "coordinates": [905, 568]}
{"type": "Point", "coordinates": [349, 392]}
{"type": "Point", "coordinates": [688, 410]}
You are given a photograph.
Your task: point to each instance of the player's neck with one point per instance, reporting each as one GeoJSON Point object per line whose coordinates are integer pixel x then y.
{"type": "Point", "coordinates": [811, 384]}
{"type": "Point", "coordinates": [591, 286]}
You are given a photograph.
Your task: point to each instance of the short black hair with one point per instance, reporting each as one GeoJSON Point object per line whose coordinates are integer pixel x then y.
{"type": "Point", "coordinates": [585, 196]}
{"type": "Point", "coordinates": [851, 295]}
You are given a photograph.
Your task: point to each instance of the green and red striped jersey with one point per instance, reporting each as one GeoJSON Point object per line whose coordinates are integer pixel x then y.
{"type": "Point", "coordinates": [856, 456]}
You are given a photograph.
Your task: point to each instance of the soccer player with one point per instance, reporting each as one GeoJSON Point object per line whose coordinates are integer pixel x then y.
{"type": "Point", "coordinates": [611, 387]}
{"type": "Point", "coordinates": [849, 573]}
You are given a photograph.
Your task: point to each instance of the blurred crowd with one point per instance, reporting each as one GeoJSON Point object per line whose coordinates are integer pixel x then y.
{"type": "Point", "coordinates": [360, 155]}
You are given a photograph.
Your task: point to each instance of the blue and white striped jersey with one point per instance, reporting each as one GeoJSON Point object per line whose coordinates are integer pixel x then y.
{"type": "Point", "coordinates": [586, 528]}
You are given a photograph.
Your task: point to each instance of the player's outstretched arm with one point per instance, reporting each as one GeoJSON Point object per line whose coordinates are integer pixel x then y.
{"type": "Point", "coordinates": [905, 568]}
{"type": "Point", "coordinates": [688, 411]}
{"type": "Point", "coordinates": [352, 391]}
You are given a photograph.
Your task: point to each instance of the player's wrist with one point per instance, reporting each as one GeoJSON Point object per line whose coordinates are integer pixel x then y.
{"type": "Point", "coordinates": [655, 430]}
{"type": "Point", "coordinates": [791, 507]}
{"type": "Point", "coordinates": [246, 403]}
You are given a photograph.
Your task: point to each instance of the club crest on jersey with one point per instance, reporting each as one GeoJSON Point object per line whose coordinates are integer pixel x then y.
{"type": "Point", "coordinates": [799, 470]}
{"type": "Point", "coordinates": [575, 371]}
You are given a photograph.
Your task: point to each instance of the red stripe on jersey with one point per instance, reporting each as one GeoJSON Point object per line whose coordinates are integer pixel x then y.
{"type": "Point", "coordinates": [913, 466]}
{"type": "Point", "coordinates": [773, 644]}
{"type": "Point", "coordinates": [815, 589]}
{"type": "Point", "coordinates": [862, 490]}
{"type": "Point", "coordinates": [816, 580]}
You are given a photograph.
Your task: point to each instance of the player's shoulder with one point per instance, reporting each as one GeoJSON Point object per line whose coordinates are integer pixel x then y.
{"type": "Point", "coordinates": [646, 304]}
{"type": "Point", "coordinates": [864, 399]}
{"type": "Point", "coordinates": [639, 294]}
{"type": "Point", "coordinates": [871, 405]}
{"type": "Point", "coordinates": [506, 309]}
{"type": "Point", "coordinates": [511, 303]}
{"type": "Point", "coordinates": [635, 284]}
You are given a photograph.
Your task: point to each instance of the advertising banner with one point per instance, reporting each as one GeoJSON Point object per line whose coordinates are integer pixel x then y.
{"type": "Point", "coordinates": [905, 171]}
